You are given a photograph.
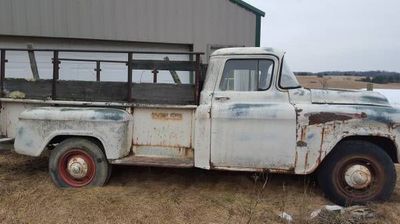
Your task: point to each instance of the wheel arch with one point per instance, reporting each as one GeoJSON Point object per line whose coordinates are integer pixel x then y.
{"type": "Point", "coordinates": [58, 138]}
{"type": "Point", "coordinates": [386, 144]}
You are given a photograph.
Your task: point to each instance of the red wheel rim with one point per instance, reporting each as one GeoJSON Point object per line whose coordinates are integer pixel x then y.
{"type": "Point", "coordinates": [76, 168]}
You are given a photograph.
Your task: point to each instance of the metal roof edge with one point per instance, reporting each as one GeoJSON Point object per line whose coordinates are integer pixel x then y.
{"type": "Point", "coordinates": [249, 7]}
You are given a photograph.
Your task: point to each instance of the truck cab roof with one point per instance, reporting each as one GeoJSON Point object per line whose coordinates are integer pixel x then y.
{"type": "Point", "coordinates": [248, 51]}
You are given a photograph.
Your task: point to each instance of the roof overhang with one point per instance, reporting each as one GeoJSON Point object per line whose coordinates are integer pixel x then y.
{"type": "Point", "coordinates": [249, 7]}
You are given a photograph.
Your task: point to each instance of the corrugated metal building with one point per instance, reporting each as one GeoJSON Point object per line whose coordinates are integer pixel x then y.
{"type": "Point", "coordinates": [154, 25]}
{"type": "Point", "coordinates": [198, 25]}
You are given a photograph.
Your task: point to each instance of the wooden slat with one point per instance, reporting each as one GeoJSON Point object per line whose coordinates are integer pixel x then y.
{"type": "Point", "coordinates": [148, 93]}
{"type": "Point", "coordinates": [164, 65]}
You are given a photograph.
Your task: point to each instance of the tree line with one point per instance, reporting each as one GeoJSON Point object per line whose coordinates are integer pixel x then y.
{"type": "Point", "coordinates": [380, 77]}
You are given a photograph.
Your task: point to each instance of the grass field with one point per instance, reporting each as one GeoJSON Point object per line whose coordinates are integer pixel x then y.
{"type": "Point", "coordinates": [150, 195]}
{"type": "Point", "coordinates": [344, 82]}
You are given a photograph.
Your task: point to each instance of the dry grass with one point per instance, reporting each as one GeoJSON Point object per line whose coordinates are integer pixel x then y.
{"type": "Point", "coordinates": [149, 195]}
{"type": "Point", "coordinates": [344, 82]}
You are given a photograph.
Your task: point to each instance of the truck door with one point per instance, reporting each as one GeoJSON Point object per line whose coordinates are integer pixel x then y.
{"type": "Point", "coordinates": [253, 125]}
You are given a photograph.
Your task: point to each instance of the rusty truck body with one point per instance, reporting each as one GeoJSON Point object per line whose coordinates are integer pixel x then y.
{"type": "Point", "coordinates": [251, 114]}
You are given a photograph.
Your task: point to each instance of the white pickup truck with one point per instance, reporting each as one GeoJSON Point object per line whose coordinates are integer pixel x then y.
{"type": "Point", "coordinates": [251, 115]}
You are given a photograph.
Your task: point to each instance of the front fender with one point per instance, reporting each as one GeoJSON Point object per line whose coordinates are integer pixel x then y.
{"type": "Point", "coordinates": [38, 126]}
{"type": "Point", "coordinates": [319, 132]}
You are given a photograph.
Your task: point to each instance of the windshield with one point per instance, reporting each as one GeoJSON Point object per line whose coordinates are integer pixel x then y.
{"type": "Point", "coordinates": [288, 80]}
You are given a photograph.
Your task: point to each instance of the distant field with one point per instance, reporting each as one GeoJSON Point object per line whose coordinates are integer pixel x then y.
{"type": "Point", "coordinates": [346, 82]}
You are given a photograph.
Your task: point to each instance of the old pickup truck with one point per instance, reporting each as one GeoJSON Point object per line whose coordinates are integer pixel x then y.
{"type": "Point", "coordinates": [250, 114]}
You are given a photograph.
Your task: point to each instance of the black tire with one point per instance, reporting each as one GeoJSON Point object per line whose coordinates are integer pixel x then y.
{"type": "Point", "coordinates": [110, 168]}
{"type": "Point", "coordinates": [344, 189]}
{"type": "Point", "coordinates": [85, 152]}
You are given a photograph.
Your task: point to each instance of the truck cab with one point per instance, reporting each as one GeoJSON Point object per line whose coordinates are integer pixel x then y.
{"type": "Point", "coordinates": [252, 122]}
{"type": "Point", "coordinates": [252, 115]}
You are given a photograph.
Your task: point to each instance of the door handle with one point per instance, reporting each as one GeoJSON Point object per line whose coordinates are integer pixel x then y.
{"type": "Point", "coordinates": [222, 98]}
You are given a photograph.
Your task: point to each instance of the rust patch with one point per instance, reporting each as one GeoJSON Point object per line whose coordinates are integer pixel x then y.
{"type": "Point", "coordinates": [283, 171]}
{"type": "Point", "coordinates": [212, 166]}
{"type": "Point", "coordinates": [322, 144]}
{"type": "Point", "coordinates": [325, 117]}
{"type": "Point", "coordinates": [306, 161]}
{"type": "Point", "coordinates": [166, 116]}
{"type": "Point", "coordinates": [301, 144]}
{"type": "Point", "coordinates": [303, 133]}
{"type": "Point", "coordinates": [155, 161]}
{"type": "Point", "coordinates": [298, 111]}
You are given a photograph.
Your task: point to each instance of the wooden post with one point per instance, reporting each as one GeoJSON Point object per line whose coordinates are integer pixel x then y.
{"type": "Point", "coordinates": [2, 71]}
{"type": "Point", "coordinates": [56, 74]}
{"type": "Point", "coordinates": [197, 79]}
{"type": "Point", "coordinates": [370, 86]}
{"type": "Point", "coordinates": [32, 60]}
{"type": "Point", "coordinates": [174, 74]}
{"type": "Point", "coordinates": [155, 72]}
{"type": "Point", "coordinates": [97, 70]}
{"type": "Point", "coordinates": [129, 86]}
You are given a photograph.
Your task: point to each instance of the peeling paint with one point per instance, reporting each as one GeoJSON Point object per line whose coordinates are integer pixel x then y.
{"type": "Point", "coordinates": [301, 144]}
{"type": "Point", "coordinates": [38, 126]}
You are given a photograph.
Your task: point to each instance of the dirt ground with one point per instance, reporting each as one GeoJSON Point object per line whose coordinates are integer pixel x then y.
{"type": "Point", "coordinates": [150, 195]}
{"type": "Point", "coordinates": [344, 82]}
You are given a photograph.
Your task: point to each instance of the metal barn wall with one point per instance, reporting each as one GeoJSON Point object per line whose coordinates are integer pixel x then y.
{"type": "Point", "coordinates": [198, 22]}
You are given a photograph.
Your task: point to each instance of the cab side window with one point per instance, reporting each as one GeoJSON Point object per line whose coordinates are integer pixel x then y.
{"type": "Point", "coordinates": [245, 75]}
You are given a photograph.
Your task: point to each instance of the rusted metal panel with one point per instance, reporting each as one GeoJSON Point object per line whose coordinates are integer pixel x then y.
{"type": "Point", "coordinates": [163, 132]}
{"type": "Point", "coordinates": [321, 126]}
{"type": "Point", "coordinates": [37, 126]}
{"type": "Point", "coordinates": [154, 161]}
{"type": "Point", "coordinates": [325, 117]}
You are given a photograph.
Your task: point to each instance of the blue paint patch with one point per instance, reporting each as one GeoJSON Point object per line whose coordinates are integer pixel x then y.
{"type": "Point", "coordinates": [310, 136]}
{"type": "Point", "coordinates": [375, 99]}
{"type": "Point", "coordinates": [243, 110]}
{"type": "Point", "coordinates": [383, 115]}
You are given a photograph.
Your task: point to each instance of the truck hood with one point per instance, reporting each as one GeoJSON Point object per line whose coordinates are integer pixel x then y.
{"type": "Point", "coordinates": [354, 97]}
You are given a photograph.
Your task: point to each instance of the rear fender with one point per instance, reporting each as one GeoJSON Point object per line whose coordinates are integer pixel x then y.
{"type": "Point", "coordinates": [38, 126]}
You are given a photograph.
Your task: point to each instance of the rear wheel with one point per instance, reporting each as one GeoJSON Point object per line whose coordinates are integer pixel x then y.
{"type": "Point", "coordinates": [357, 172]}
{"type": "Point", "coordinates": [78, 162]}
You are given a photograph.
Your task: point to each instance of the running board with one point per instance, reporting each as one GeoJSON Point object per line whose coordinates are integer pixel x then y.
{"type": "Point", "coordinates": [154, 162]}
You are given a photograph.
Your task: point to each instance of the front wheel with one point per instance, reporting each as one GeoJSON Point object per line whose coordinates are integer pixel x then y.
{"type": "Point", "coordinates": [357, 172]}
{"type": "Point", "coordinates": [78, 162]}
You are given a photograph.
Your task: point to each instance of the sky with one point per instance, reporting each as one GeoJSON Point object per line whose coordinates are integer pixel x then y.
{"type": "Point", "coordinates": [343, 35]}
